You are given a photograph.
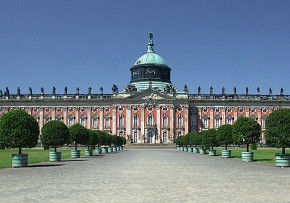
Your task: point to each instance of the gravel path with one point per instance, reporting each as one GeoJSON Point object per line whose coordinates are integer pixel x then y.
{"type": "Point", "coordinates": [147, 175]}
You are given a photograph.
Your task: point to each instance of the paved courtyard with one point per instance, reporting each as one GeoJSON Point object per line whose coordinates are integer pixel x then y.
{"type": "Point", "coordinates": [147, 175]}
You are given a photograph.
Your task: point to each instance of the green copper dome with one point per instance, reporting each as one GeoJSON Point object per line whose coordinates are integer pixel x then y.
{"type": "Point", "coordinates": [150, 57]}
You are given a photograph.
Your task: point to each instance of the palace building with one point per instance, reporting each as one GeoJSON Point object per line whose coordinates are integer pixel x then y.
{"type": "Point", "coordinates": [150, 109]}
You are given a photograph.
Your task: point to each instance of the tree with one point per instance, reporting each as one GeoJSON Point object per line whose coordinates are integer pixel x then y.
{"type": "Point", "coordinates": [93, 138]}
{"type": "Point", "coordinates": [101, 137]}
{"type": "Point", "coordinates": [177, 141]}
{"type": "Point", "coordinates": [195, 139]}
{"type": "Point", "coordinates": [246, 131]}
{"type": "Point", "coordinates": [78, 134]}
{"type": "Point", "coordinates": [210, 138]}
{"type": "Point", "coordinates": [224, 135]}
{"type": "Point", "coordinates": [278, 129]}
{"type": "Point", "coordinates": [54, 133]}
{"type": "Point", "coordinates": [18, 129]}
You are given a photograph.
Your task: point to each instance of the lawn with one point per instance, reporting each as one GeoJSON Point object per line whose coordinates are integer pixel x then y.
{"type": "Point", "coordinates": [34, 155]}
{"type": "Point", "coordinates": [261, 155]}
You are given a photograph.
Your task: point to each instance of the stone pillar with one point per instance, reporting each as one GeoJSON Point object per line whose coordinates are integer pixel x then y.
{"type": "Point", "coordinates": [186, 118]}
{"type": "Point", "coordinates": [211, 118]}
{"type": "Point", "coordinates": [247, 109]}
{"type": "Point", "coordinates": [101, 127]}
{"type": "Point", "coordinates": [142, 123]}
{"type": "Point", "coordinates": [172, 123]}
{"type": "Point", "coordinates": [158, 131]}
{"type": "Point", "coordinates": [114, 121]}
{"type": "Point", "coordinates": [199, 119]}
{"type": "Point", "coordinates": [128, 121]}
{"type": "Point", "coordinates": [235, 114]}
{"type": "Point", "coordinates": [77, 114]}
{"type": "Point", "coordinates": [53, 113]}
{"type": "Point", "coordinates": [41, 117]}
{"type": "Point", "coordinates": [89, 116]}
{"type": "Point", "coordinates": [65, 115]}
{"type": "Point", "coordinates": [223, 121]}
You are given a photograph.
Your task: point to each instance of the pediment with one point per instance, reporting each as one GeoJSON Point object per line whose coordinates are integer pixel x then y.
{"type": "Point", "coordinates": [149, 94]}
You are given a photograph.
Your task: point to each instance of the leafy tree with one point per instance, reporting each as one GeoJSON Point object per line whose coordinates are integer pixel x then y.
{"type": "Point", "coordinates": [177, 141]}
{"type": "Point", "coordinates": [224, 135]}
{"type": "Point", "coordinates": [123, 140]}
{"type": "Point", "coordinates": [187, 139]}
{"type": "Point", "coordinates": [93, 138]}
{"type": "Point", "coordinates": [182, 140]}
{"type": "Point", "coordinates": [195, 139]}
{"type": "Point", "coordinates": [78, 134]}
{"type": "Point", "coordinates": [101, 137]}
{"type": "Point", "coordinates": [210, 138]}
{"type": "Point", "coordinates": [114, 140]}
{"type": "Point", "coordinates": [18, 129]}
{"type": "Point", "coordinates": [108, 139]}
{"type": "Point", "coordinates": [278, 129]}
{"type": "Point", "coordinates": [246, 131]}
{"type": "Point", "coordinates": [54, 133]}
{"type": "Point", "coordinates": [120, 140]}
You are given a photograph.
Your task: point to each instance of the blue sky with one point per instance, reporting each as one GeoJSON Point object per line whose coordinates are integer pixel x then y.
{"type": "Point", "coordinates": [94, 43]}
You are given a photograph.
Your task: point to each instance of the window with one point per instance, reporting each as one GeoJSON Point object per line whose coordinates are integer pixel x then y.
{"type": "Point", "coordinates": [179, 121]}
{"type": "Point", "coordinates": [164, 137]}
{"type": "Point", "coordinates": [95, 123]}
{"type": "Point", "coordinates": [47, 119]}
{"type": "Point", "coordinates": [107, 122]}
{"type": "Point", "coordinates": [70, 121]}
{"type": "Point", "coordinates": [217, 110]}
{"type": "Point", "coordinates": [205, 110]}
{"type": "Point", "coordinates": [83, 121]}
{"type": "Point", "coordinates": [121, 122]}
{"type": "Point", "coordinates": [264, 123]}
{"type": "Point", "coordinates": [150, 120]}
{"type": "Point", "coordinates": [165, 122]}
{"type": "Point", "coordinates": [217, 122]}
{"type": "Point", "coordinates": [59, 118]}
{"type": "Point", "coordinates": [205, 123]}
{"type": "Point", "coordinates": [193, 121]}
{"type": "Point", "coordinates": [230, 120]}
{"type": "Point", "coordinates": [135, 122]}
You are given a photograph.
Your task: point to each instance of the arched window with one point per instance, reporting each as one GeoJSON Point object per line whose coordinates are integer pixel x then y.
{"type": "Point", "coordinates": [165, 122]}
{"type": "Point", "coordinates": [121, 122]}
{"type": "Point", "coordinates": [135, 121]}
{"type": "Point", "coordinates": [217, 122]}
{"type": "Point", "coordinates": [205, 122]}
{"type": "Point", "coordinates": [150, 120]}
{"type": "Point", "coordinates": [179, 121]}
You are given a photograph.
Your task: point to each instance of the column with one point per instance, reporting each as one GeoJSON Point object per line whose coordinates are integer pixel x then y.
{"type": "Point", "coordinates": [114, 129]}
{"type": "Point", "coordinates": [101, 109]}
{"type": "Point", "coordinates": [77, 114]}
{"type": "Point", "coordinates": [41, 118]}
{"type": "Point", "coordinates": [89, 116]}
{"type": "Point", "coordinates": [223, 121]}
{"type": "Point", "coordinates": [186, 120]}
{"type": "Point", "coordinates": [142, 123]}
{"type": "Point", "coordinates": [172, 123]}
{"type": "Point", "coordinates": [128, 121]}
{"type": "Point", "coordinates": [211, 118]}
{"type": "Point", "coordinates": [53, 113]}
{"type": "Point", "coordinates": [158, 133]}
{"type": "Point", "coordinates": [199, 119]}
{"type": "Point", "coordinates": [65, 115]}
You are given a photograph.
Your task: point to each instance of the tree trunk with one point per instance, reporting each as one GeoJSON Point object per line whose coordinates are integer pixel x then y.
{"type": "Point", "coordinates": [211, 148]}
{"type": "Point", "coordinates": [226, 147]}
{"type": "Point", "coordinates": [54, 149]}
{"type": "Point", "coordinates": [75, 146]}
{"type": "Point", "coordinates": [283, 150]}
{"type": "Point", "coordinates": [20, 150]}
{"type": "Point", "coordinates": [248, 147]}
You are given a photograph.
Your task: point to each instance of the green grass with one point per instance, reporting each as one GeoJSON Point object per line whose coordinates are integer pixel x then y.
{"type": "Point", "coordinates": [34, 155]}
{"type": "Point", "coordinates": [261, 155]}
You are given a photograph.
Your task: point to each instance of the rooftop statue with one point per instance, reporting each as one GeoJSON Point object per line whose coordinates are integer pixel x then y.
{"type": "Point", "coordinates": [247, 90]}
{"type": "Point", "coordinates": [258, 90]}
{"type": "Point", "coordinates": [186, 90]}
{"type": "Point", "coordinates": [89, 90]}
{"type": "Point", "coordinates": [223, 90]}
{"type": "Point", "coordinates": [78, 90]}
{"type": "Point", "coordinates": [198, 89]}
{"type": "Point", "coordinates": [115, 88]}
{"type": "Point", "coordinates": [30, 90]}
{"type": "Point", "coordinates": [53, 90]}
{"type": "Point", "coordinates": [42, 90]}
{"type": "Point", "coordinates": [18, 91]}
{"type": "Point", "coordinates": [270, 91]}
{"type": "Point", "coordinates": [281, 91]}
{"type": "Point", "coordinates": [1, 94]}
{"type": "Point", "coordinates": [235, 90]}
{"type": "Point", "coordinates": [211, 90]}
{"type": "Point", "coordinates": [7, 92]}
{"type": "Point", "coordinates": [101, 90]}
{"type": "Point", "coordinates": [65, 90]}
